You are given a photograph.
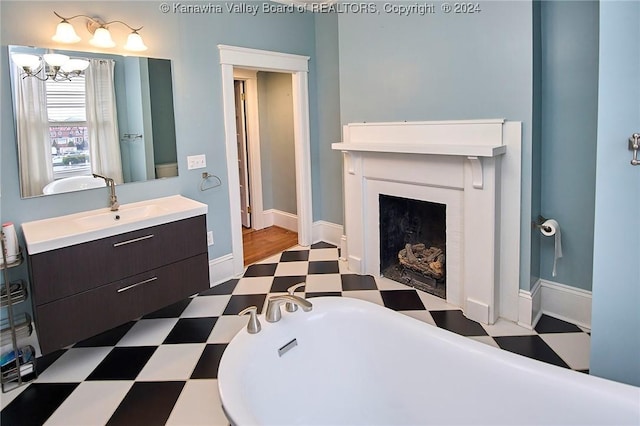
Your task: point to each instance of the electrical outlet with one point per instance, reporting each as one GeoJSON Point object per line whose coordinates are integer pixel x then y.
{"type": "Point", "coordinates": [196, 161]}
{"type": "Point", "coordinates": [210, 238]}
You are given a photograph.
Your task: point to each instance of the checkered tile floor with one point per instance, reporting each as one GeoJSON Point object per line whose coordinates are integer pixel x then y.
{"type": "Point", "coordinates": [162, 368]}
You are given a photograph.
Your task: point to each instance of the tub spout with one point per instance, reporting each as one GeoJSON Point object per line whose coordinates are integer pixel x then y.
{"type": "Point", "coordinates": [274, 314]}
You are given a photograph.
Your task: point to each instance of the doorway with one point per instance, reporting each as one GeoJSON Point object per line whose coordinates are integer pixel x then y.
{"type": "Point", "coordinates": [231, 58]}
{"type": "Point", "coordinates": [265, 146]}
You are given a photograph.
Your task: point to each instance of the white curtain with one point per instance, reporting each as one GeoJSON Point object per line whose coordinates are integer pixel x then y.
{"type": "Point", "coordinates": [34, 147]}
{"type": "Point", "coordinates": [102, 123]}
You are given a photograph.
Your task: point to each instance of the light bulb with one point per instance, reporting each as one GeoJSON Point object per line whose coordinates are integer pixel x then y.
{"type": "Point", "coordinates": [65, 33]}
{"type": "Point", "coordinates": [55, 59]}
{"type": "Point", "coordinates": [135, 43]}
{"type": "Point", "coordinates": [102, 38]}
{"type": "Point", "coordinates": [26, 61]}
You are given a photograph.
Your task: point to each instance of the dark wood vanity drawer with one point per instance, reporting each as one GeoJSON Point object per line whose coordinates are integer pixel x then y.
{"type": "Point", "coordinates": [61, 273]}
{"type": "Point", "coordinates": [75, 318]}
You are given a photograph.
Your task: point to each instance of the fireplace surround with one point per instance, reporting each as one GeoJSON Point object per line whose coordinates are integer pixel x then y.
{"type": "Point", "coordinates": [473, 168]}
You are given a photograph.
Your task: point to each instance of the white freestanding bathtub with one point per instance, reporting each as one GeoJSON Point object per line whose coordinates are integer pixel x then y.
{"type": "Point", "coordinates": [356, 363]}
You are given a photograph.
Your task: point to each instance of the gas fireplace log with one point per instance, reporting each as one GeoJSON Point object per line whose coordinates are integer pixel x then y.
{"type": "Point", "coordinates": [429, 262]}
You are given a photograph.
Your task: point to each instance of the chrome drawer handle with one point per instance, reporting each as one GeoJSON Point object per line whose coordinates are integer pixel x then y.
{"type": "Point", "coordinates": [135, 240]}
{"type": "Point", "coordinates": [129, 287]}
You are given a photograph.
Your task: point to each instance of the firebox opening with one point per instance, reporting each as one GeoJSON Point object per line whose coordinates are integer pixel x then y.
{"type": "Point", "coordinates": [413, 243]}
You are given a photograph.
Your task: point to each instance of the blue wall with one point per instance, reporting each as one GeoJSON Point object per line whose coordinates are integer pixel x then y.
{"type": "Point", "coordinates": [443, 67]}
{"type": "Point", "coordinates": [615, 338]}
{"type": "Point", "coordinates": [569, 127]}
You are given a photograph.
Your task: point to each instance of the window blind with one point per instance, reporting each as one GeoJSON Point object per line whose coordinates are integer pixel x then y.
{"type": "Point", "coordinates": [66, 100]}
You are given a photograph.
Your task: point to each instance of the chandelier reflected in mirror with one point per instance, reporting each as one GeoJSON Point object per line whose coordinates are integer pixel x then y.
{"type": "Point", "coordinates": [51, 66]}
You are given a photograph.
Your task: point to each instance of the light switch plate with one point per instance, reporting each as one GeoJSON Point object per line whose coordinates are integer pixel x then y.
{"type": "Point", "coordinates": [196, 162]}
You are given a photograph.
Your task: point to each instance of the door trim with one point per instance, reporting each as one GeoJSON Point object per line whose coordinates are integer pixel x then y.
{"type": "Point", "coordinates": [297, 66]}
{"type": "Point", "coordinates": [253, 139]}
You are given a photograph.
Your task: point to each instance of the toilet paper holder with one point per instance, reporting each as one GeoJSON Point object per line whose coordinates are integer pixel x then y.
{"type": "Point", "coordinates": [539, 224]}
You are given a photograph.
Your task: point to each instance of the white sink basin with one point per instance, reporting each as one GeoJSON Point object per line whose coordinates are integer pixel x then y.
{"type": "Point", "coordinates": [123, 215]}
{"type": "Point", "coordinates": [62, 231]}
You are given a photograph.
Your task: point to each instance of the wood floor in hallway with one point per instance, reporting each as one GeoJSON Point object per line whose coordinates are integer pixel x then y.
{"type": "Point", "coordinates": [266, 242]}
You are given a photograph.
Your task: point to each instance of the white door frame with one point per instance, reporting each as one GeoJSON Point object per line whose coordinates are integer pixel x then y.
{"type": "Point", "coordinates": [297, 66]}
{"type": "Point", "coordinates": [253, 142]}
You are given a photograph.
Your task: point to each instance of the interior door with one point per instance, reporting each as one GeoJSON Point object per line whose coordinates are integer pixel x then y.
{"type": "Point", "coordinates": [243, 169]}
{"type": "Point", "coordinates": [615, 339]}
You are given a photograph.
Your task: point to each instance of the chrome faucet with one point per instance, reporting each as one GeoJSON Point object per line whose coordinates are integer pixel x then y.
{"type": "Point", "coordinates": [274, 314]}
{"type": "Point", "coordinates": [113, 200]}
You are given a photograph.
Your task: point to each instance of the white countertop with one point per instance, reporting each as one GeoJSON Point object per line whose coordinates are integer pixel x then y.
{"type": "Point", "coordinates": [63, 231]}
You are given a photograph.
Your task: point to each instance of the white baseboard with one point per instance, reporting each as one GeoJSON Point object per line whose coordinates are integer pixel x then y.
{"type": "Point", "coordinates": [279, 218]}
{"type": "Point", "coordinates": [557, 300]}
{"type": "Point", "coordinates": [326, 231]}
{"type": "Point", "coordinates": [220, 270]}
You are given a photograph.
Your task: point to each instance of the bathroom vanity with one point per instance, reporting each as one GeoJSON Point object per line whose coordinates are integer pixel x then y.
{"type": "Point", "coordinates": [96, 270]}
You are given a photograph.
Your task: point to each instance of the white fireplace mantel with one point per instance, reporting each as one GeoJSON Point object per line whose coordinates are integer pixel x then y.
{"type": "Point", "coordinates": [468, 165]}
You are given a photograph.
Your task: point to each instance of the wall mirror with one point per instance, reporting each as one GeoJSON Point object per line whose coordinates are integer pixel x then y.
{"type": "Point", "coordinates": [115, 118]}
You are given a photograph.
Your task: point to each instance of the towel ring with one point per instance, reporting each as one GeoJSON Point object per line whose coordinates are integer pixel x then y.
{"type": "Point", "coordinates": [205, 179]}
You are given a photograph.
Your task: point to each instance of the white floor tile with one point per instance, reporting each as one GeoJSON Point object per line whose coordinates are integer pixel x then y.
{"type": "Point", "coordinates": [323, 282]}
{"type": "Point", "coordinates": [74, 365]}
{"type": "Point", "coordinates": [172, 362]}
{"type": "Point", "coordinates": [292, 268]}
{"type": "Point", "coordinates": [343, 266]}
{"type": "Point", "coordinates": [206, 306]}
{"type": "Point", "coordinates": [434, 303]}
{"type": "Point", "coordinates": [227, 326]}
{"type": "Point", "coordinates": [323, 254]}
{"type": "Point", "coordinates": [387, 284]}
{"type": "Point", "coordinates": [148, 332]}
{"type": "Point", "coordinates": [423, 316]}
{"type": "Point", "coordinates": [488, 340]}
{"type": "Point", "coordinates": [198, 404]}
{"type": "Point", "coordinates": [253, 285]}
{"type": "Point", "coordinates": [369, 295]}
{"type": "Point", "coordinates": [573, 348]}
{"type": "Point", "coordinates": [504, 327]}
{"type": "Point", "coordinates": [91, 403]}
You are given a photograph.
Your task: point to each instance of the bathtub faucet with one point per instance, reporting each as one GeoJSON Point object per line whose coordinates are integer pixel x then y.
{"type": "Point", "coordinates": [113, 200]}
{"type": "Point", "coordinates": [273, 306]}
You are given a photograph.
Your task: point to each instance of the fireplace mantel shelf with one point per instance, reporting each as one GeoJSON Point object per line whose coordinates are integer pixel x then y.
{"type": "Point", "coordinates": [423, 148]}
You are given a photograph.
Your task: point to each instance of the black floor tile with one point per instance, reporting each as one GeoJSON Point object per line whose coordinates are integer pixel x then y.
{"type": "Point", "coordinates": [530, 346]}
{"type": "Point", "coordinates": [191, 330]}
{"type": "Point", "coordinates": [171, 311]}
{"type": "Point", "coordinates": [36, 403]}
{"type": "Point", "coordinates": [122, 363]}
{"type": "Point", "coordinates": [147, 403]}
{"type": "Point", "coordinates": [108, 338]}
{"type": "Point", "coordinates": [547, 324]}
{"type": "Point", "coordinates": [294, 256]}
{"type": "Point", "coordinates": [402, 300]}
{"type": "Point", "coordinates": [207, 367]}
{"type": "Point", "coordinates": [324, 267]}
{"type": "Point", "coordinates": [221, 289]}
{"type": "Point", "coordinates": [239, 302]}
{"type": "Point", "coordinates": [322, 245]}
{"type": "Point", "coordinates": [281, 284]}
{"type": "Point", "coordinates": [261, 270]}
{"type": "Point", "coordinates": [456, 322]}
{"type": "Point", "coordinates": [323, 293]}
{"type": "Point", "coordinates": [358, 282]}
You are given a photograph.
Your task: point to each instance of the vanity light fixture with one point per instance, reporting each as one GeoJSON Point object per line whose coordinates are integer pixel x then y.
{"type": "Point", "coordinates": [51, 66]}
{"type": "Point", "coordinates": [65, 33]}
